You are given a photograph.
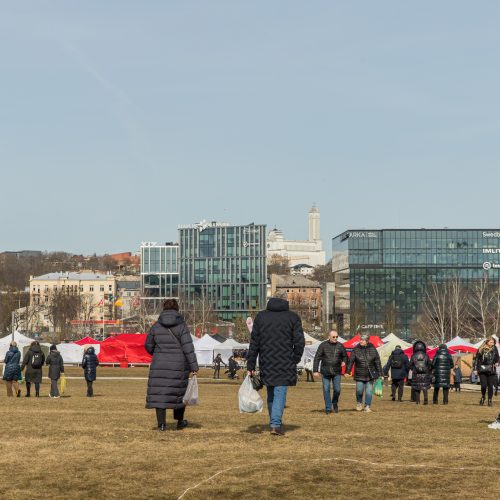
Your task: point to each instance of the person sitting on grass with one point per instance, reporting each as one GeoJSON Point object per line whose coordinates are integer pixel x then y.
{"type": "Point", "coordinates": [56, 367]}
{"type": "Point", "coordinates": [90, 362]}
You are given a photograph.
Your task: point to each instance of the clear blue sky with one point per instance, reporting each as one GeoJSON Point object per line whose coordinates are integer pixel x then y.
{"type": "Point", "coordinates": [122, 119]}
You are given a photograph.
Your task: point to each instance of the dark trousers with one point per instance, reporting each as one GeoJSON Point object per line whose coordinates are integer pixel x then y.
{"type": "Point", "coordinates": [310, 376]}
{"type": "Point", "coordinates": [435, 396]}
{"type": "Point", "coordinates": [398, 385]}
{"type": "Point", "coordinates": [161, 414]}
{"type": "Point", "coordinates": [28, 389]}
{"type": "Point", "coordinates": [417, 395]}
{"type": "Point", "coordinates": [90, 389]}
{"type": "Point", "coordinates": [487, 382]}
{"type": "Point", "coordinates": [54, 391]}
{"type": "Point", "coordinates": [217, 372]}
{"type": "Point", "coordinates": [456, 386]}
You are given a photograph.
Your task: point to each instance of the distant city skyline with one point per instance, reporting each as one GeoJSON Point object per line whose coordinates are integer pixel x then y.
{"type": "Point", "coordinates": [121, 120]}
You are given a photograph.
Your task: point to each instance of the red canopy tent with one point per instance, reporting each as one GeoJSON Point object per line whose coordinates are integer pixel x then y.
{"type": "Point", "coordinates": [351, 343]}
{"type": "Point", "coordinates": [125, 348]}
{"type": "Point", "coordinates": [87, 340]}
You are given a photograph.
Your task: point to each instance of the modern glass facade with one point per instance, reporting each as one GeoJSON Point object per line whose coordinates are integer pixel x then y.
{"type": "Point", "coordinates": [159, 274]}
{"type": "Point", "coordinates": [382, 276]}
{"type": "Point", "coordinates": [224, 265]}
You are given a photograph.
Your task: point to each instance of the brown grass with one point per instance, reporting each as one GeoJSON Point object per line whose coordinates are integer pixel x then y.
{"type": "Point", "coordinates": [105, 447]}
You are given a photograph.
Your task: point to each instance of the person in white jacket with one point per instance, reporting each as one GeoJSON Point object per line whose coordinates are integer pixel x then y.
{"type": "Point", "coordinates": [308, 367]}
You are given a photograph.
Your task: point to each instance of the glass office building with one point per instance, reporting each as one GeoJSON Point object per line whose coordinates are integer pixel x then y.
{"type": "Point", "coordinates": [225, 266]}
{"type": "Point", "coordinates": [159, 274]}
{"type": "Point", "coordinates": [382, 276]}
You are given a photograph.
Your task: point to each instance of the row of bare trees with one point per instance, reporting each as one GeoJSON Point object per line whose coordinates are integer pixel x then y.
{"type": "Point", "coordinates": [451, 309]}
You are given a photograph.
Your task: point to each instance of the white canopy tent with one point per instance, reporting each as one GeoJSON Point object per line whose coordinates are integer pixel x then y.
{"type": "Point", "coordinates": [480, 343]}
{"type": "Point", "coordinates": [309, 353]}
{"type": "Point", "coordinates": [392, 336]}
{"type": "Point", "coordinates": [384, 351]}
{"type": "Point", "coordinates": [72, 354]}
{"type": "Point", "coordinates": [310, 340]}
{"type": "Point", "coordinates": [225, 349]}
{"type": "Point", "coordinates": [457, 341]}
{"type": "Point", "coordinates": [204, 349]}
{"type": "Point", "coordinates": [21, 340]}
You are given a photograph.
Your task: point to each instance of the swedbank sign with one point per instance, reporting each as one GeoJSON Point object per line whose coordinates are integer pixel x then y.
{"type": "Point", "coordinates": [491, 234]}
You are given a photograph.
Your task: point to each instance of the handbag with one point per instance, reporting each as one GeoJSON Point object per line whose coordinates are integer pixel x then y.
{"type": "Point", "coordinates": [257, 383]}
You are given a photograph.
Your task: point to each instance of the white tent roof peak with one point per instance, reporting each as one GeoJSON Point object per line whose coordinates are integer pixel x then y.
{"type": "Point", "coordinates": [458, 341]}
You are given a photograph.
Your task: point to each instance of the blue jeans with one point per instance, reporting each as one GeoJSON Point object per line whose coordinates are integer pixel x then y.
{"type": "Point", "coordinates": [327, 384]}
{"type": "Point", "coordinates": [360, 389]}
{"type": "Point", "coordinates": [276, 400]}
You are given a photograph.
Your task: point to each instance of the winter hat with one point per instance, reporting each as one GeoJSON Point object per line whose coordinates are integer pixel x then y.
{"type": "Point", "coordinates": [365, 336]}
{"type": "Point", "coordinates": [53, 347]}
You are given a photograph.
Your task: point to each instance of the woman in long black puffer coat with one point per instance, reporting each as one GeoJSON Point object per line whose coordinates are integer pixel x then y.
{"type": "Point", "coordinates": [420, 367]}
{"type": "Point", "coordinates": [33, 361]}
{"type": "Point", "coordinates": [442, 364]}
{"type": "Point", "coordinates": [89, 365]}
{"type": "Point", "coordinates": [171, 345]}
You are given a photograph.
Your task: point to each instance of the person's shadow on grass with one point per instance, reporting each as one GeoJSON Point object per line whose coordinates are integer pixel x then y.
{"type": "Point", "coordinates": [261, 429]}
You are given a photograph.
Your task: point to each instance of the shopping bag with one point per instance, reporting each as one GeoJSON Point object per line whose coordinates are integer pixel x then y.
{"type": "Point", "coordinates": [191, 396]}
{"type": "Point", "coordinates": [377, 389]}
{"type": "Point", "coordinates": [62, 382]}
{"type": "Point", "coordinates": [249, 399]}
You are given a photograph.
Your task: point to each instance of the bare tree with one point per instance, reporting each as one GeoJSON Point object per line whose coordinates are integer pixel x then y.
{"type": "Point", "coordinates": [357, 316]}
{"type": "Point", "coordinates": [435, 308]}
{"type": "Point", "coordinates": [390, 317]}
{"type": "Point", "coordinates": [278, 264]}
{"type": "Point", "coordinates": [481, 300]}
{"type": "Point", "coordinates": [63, 307]}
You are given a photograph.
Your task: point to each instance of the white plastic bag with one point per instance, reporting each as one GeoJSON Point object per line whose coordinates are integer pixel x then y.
{"type": "Point", "coordinates": [249, 399]}
{"type": "Point", "coordinates": [191, 396]}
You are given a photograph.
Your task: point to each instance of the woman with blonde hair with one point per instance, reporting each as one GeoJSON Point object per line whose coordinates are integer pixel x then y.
{"type": "Point", "coordinates": [12, 372]}
{"type": "Point", "coordinates": [487, 359]}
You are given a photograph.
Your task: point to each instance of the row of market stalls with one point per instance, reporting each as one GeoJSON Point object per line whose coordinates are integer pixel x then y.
{"type": "Point", "coordinates": [125, 349]}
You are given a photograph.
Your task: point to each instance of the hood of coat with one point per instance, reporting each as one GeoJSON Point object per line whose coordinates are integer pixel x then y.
{"type": "Point", "coordinates": [35, 348]}
{"type": "Point", "coordinates": [277, 305]}
{"type": "Point", "coordinates": [398, 351]}
{"type": "Point", "coordinates": [170, 318]}
{"type": "Point", "coordinates": [54, 353]}
{"type": "Point", "coordinates": [90, 350]}
{"type": "Point", "coordinates": [443, 349]}
{"type": "Point", "coordinates": [13, 349]}
{"type": "Point", "coordinates": [419, 346]}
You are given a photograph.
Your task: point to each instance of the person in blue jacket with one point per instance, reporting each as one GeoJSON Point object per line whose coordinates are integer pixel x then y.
{"type": "Point", "coordinates": [12, 372]}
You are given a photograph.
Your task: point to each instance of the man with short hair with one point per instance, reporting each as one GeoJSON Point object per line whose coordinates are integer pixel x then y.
{"type": "Point", "coordinates": [278, 341]}
{"type": "Point", "coordinates": [332, 356]}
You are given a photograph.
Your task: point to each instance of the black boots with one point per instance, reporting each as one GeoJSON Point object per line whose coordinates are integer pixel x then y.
{"type": "Point", "coordinates": [182, 424]}
{"type": "Point", "coordinates": [162, 427]}
{"type": "Point", "coordinates": [481, 401]}
{"type": "Point", "coordinates": [490, 402]}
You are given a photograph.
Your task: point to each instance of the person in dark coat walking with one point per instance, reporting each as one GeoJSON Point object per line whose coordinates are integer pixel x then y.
{"type": "Point", "coordinates": [90, 362]}
{"type": "Point", "coordinates": [332, 356]}
{"type": "Point", "coordinates": [56, 367]}
{"type": "Point", "coordinates": [457, 377]}
{"type": "Point", "coordinates": [278, 341]}
{"type": "Point", "coordinates": [442, 364]}
{"type": "Point", "coordinates": [420, 366]}
{"type": "Point", "coordinates": [398, 364]}
{"type": "Point", "coordinates": [367, 369]}
{"type": "Point", "coordinates": [12, 370]}
{"type": "Point", "coordinates": [33, 361]}
{"type": "Point", "coordinates": [171, 345]}
{"type": "Point", "coordinates": [485, 365]}
{"type": "Point", "coordinates": [217, 363]}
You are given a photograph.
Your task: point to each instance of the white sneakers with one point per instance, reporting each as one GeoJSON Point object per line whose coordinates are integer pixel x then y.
{"type": "Point", "coordinates": [359, 407]}
{"type": "Point", "coordinates": [495, 424]}
{"type": "Point", "coordinates": [367, 409]}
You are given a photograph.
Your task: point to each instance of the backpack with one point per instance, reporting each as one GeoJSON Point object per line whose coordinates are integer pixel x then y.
{"type": "Point", "coordinates": [397, 361]}
{"type": "Point", "coordinates": [37, 360]}
{"type": "Point", "coordinates": [420, 363]}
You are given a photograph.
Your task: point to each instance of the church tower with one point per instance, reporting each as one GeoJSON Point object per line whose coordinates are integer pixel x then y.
{"type": "Point", "coordinates": [314, 219]}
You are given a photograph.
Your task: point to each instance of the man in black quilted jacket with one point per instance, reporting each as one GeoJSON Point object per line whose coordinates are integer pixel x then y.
{"type": "Point", "coordinates": [332, 356]}
{"type": "Point", "coordinates": [278, 341]}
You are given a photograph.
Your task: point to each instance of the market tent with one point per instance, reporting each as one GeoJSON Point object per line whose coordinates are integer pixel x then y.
{"type": "Point", "coordinates": [385, 350]}
{"type": "Point", "coordinates": [310, 340]}
{"type": "Point", "coordinates": [392, 336]}
{"type": "Point", "coordinates": [226, 349]}
{"type": "Point", "coordinates": [351, 343]}
{"type": "Point", "coordinates": [21, 340]}
{"type": "Point", "coordinates": [204, 349]}
{"type": "Point", "coordinates": [86, 341]}
{"type": "Point", "coordinates": [125, 348]}
{"type": "Point", "coordinates": [342, 340]}
{"type": "Point", "coordinates": [71, 353]}
{"type": "Point", "coordinates": [309, 353]}
{"type": "Point", "coordinates": [458, 341]}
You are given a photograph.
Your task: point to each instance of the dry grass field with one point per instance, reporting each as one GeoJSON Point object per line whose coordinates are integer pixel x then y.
{"type": "Point", "coordinates": [105, 447]}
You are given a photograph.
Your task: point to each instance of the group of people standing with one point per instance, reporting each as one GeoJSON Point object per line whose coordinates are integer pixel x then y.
{"type": "Point", "coordinates": [32, 365]}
